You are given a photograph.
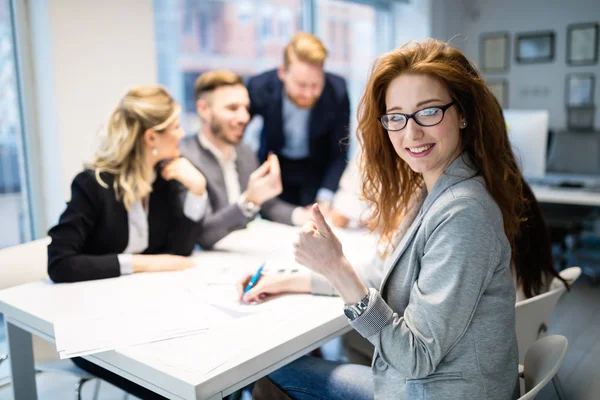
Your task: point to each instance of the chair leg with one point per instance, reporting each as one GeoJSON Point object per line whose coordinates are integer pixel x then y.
{"type": "Point", "coordinates": [558, 387]}
{"type": "Point", "coordinates": [78, 387]}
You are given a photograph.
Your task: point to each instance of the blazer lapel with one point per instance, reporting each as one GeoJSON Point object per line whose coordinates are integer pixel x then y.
{"type": "Point", "coordinates": [319, 117]}
{"type": "Point", "coordinates": [413, 218]}
{"type": "Point", "coordinates": [210, 168]}
{"type": "Point", "coordinates": [244, 169]}
{"type": "Point", "coordinates": [273, 124]}
{"type": "Point", "coordinates": [459, 170]}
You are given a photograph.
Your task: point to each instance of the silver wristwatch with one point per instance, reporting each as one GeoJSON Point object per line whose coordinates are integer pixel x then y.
{"type": "Point", "coordinates": [249, 209]}
{"type": "Point", "coordinates": [354, 311]}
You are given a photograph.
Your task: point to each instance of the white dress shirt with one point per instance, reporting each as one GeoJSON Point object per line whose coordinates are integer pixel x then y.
{"type": "Point", "coordinates": [194, 208]}
{"type": "Point", "coordinates": [232, 178]}
{"type": "Point", "coordinates": [230, 173]}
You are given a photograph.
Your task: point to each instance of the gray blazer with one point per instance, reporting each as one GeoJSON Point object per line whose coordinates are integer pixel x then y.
{"type": "Point", "coordinates": [223, 218]}
{"type": "Point", "coordinates": [441, 312]}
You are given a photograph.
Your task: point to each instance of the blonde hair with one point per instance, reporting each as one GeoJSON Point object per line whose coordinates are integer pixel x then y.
{"type": "Point", "coordinates": [209, 81]}
{"type": "Point", "coordinates": [305, 47]}
{"type": "Point", "coordinates": [121, 152]}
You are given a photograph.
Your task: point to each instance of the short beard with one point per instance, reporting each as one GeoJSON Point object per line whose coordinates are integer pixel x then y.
{"type": "Point", "coordinates": [217, 131]}
{"type": "Point", "coordinates": [302, 106]}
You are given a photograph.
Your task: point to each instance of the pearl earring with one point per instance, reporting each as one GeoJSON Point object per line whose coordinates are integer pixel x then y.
{"type": "Point", "coordinates": [463, 124]}
{"type": "Point", "coordinates": [154, 152]}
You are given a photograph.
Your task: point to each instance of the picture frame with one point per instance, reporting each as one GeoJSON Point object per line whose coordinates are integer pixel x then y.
{"type": "Point", "coordinates": [582, 43]}
{"type": "Point", "coordinates": [535, 47]}
{"type": "Point", "coordinates": [494, 52]}
{"type": "Point", "coordinates": [579, 90]}
{"type": "Point", "coordinates": [581, 118]}
{"type": "Point", "coordinates": [499, 88]}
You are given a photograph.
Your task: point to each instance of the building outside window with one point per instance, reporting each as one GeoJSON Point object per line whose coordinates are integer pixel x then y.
{"type": "Point", "coordinates": [14, 204]}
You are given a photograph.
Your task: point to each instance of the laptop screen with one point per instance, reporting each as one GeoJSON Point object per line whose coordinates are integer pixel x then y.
{"type": "Point", "coordinates": [574, 153]}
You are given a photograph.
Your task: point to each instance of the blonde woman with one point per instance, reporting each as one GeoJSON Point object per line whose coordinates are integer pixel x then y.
{"type": "Point", "coordinates": [137, 206]}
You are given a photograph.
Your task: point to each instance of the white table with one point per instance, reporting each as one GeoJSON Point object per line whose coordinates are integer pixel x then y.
{"type": "Point", "coordinates": [559, 195]}
{"type": "Point", "coordinates": [275, 339]}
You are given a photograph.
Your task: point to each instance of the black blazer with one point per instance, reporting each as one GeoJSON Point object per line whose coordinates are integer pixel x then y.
{"type": "Point", "coordinates": [328, 125]}
{"type": "Point", "coordinates": [94, 229]}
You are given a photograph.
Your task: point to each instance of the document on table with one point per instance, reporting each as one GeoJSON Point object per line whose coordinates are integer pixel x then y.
{"type": "Point", "coordinates": [238, 340]}
{"type": "Point", "coordinates": [127, 315]}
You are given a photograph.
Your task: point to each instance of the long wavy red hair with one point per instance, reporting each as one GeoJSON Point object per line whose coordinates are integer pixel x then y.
{"type": "Point", "coordinates": [388, 183]}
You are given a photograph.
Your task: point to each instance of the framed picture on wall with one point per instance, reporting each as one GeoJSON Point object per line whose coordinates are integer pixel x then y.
{"type": "Point", "coordinates": [534, 47]}
{"type": "Point", "coordinates": [499, 88]}
{"type": "Point", "coordinates": [494, 48]}
{"type": "Point", "coordinates": [582, 44]}
{"type": "Point", "coordinates": [580, 90]}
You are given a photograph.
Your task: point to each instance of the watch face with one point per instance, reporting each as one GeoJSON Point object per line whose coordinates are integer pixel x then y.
{"type": "Point", "coordinates": [350, 313]}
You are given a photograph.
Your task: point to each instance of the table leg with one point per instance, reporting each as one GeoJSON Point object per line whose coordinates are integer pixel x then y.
{"type": "Point", "coordinates": [20, 350]}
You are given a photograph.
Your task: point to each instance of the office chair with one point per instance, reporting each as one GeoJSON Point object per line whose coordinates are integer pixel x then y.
{"type": "Point", "coordinates": [542, 362]}
{"type": "Point", "coordinates": [532, 317]}
{"type": "Point", "coordinates": [27, 263]}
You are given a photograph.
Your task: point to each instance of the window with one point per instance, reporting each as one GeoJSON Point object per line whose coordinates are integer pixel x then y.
{"type": "Point", "coordinates": [266, 27]}
{"type": "Point", "coordinates": [193, 36]}
{"type": "Point", "coordinates": [14, 204]}
{"type": "Point", "coordinates": [248, 37]}
{"type": "Point", "coordinates": [354, 34]}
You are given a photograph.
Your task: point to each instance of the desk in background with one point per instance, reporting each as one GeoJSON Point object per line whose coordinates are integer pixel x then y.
{"type": "Point", "coordinates": [571, 196]}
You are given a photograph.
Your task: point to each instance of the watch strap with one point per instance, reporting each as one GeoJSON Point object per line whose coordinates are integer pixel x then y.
{"type": "Point", "coordinates": [249, 209]}
{"type": "Point", "coordinates": [355, 310]}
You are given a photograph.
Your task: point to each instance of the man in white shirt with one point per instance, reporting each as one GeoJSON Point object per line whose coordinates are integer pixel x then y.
{"type": "Point", "coordinates": [238, 188]}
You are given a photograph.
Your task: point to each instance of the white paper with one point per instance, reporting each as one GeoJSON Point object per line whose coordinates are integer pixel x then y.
{"type": "Point", "coordinates": [122, 317]}
{"type": "Point", "coordinates": [238, 340]}
{"type": "Point", "coordinates": [145, 308]}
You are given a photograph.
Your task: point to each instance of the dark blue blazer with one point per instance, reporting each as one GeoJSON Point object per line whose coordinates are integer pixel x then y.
{"type": "Point", "coordinates": [328, 125]}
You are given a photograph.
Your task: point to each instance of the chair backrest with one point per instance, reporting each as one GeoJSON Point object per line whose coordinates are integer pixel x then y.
{"type": "Point", "coordinates": [569, 274]}
{"type": "Point", "coordinates": [24, 263]}
{"type": "Point", "coordinates": [532, 318]}
{"type": "Point", "coordinates": [542, 362]}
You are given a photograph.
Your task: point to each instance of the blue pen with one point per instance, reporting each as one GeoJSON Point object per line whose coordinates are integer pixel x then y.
{"type": "Point", "coordinates": [254, 279]}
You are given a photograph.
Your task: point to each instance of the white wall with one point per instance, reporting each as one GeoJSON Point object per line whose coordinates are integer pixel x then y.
{"type": "Point", "coordinates": [85, 54]}
{"type": "Point", "coordinates": [516, 16]}
{"type": "Point", "coordinates": [412, 21]}
{"type": "Point", "coordinates": [448, 19]}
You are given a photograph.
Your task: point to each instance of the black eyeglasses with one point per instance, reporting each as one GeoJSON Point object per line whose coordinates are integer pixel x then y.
{"type": "Point", "coordinates": [429, 116]}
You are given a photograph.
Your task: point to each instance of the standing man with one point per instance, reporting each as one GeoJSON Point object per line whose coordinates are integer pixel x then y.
{"type": "Point", "coordinates": [238, 188]}
{"type": "Point", "coordinates": [306, 114]}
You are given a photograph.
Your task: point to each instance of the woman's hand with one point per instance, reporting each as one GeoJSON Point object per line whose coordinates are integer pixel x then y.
{"type": "Point", "coordinates": [273, 284]}
{"type": "Point", "coordinates": [318, 249]}
{"type": "Point", "coordinates": [182, 170]}
{"type": "Point", "coordinates": [160, 262]}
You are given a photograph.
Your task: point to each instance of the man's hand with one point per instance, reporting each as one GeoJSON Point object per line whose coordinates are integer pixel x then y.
{"type": "Point", "coordinates": [265, 183]}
